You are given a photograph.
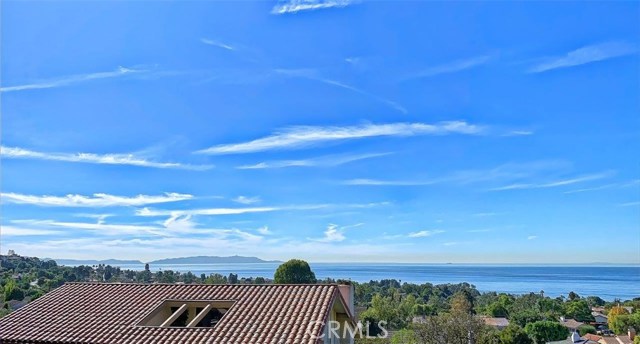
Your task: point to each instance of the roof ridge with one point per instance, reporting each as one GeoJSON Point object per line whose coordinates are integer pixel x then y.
{"type": "Point", "coordinates": [202, 284]}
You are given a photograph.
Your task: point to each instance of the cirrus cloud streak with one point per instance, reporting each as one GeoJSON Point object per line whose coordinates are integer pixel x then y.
{"type": "Point", "coordinates": [91, 158]}
{"type": "Point", "coordinates": [306, 136]}
{"type": "Point", "coordinates": [96, 200]}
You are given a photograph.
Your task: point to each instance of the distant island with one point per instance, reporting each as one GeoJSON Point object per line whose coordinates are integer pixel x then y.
{"type": "Point", "coordinates": [180, 260]}
{"type": "Point", "coordinates": [212, 260]}
{"type": "Point", "coordinates": [76, 262]}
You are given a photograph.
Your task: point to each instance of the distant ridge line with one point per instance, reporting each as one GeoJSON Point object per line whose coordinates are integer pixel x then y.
{"type": "Point", "coordinates": [178, 260]}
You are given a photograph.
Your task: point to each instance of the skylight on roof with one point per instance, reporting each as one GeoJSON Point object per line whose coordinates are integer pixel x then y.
{"type": "Point", "coordinates": [187, 313]}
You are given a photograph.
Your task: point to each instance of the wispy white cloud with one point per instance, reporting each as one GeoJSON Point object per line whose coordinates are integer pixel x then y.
{"type": "Point", "coordinates": [364, 205]}
{"type": "Point", "coordinates": [74, 79]}
{"type": "Point", "coordinates": [425, 233]}
{"type": "Point", "coordinates": [19, 231]}
{"type": "Point", "coordinates": [586, 54]}
{"type": "Point", "coordinates": [149, 212]}
{"type": "Point", "coordinates": [101, 228]}
{"type": "Point", "coordinates": [217, 44]}
{"type": "Point", "coordinates": [630, 204]}
{"type": "Point", "coordinates": [621, 185]}
{"type": "Point", "coordinates": [556, 183]}
{"type": "Point", "coordinates": [326, 161]}
{"type": "Point", "coordinates": [205, 211]}
{"type": "Point", "coordinates": [96, 200]}
{"type": "Point", "coordinates": [264, 230]}
{"type": "Point", "coordinates": [452, 67]}
{"type": "Point", "coordinates": [353, 60]}
{"type": "Point", "coordinates": [378, 182]}
{"type": "Point", "coordinates": [91, 158]}
{"type": "Point", "coordinates": [174, 227]}
{"type": "Point", "coordinates": [305, 136]}
{"type": "Point", "coordinates": [180, 224]}
{"type": "Point", "coordinates": [247, 199]}
{"type": "Point", "coordinates": [295, 6]}
{"type": "Point", "coordinates": [484, 230]}
{"type": "Point", "coordinates": [503, 173]}
{"type": "Point", "coordinates": [100, 218]}
{"type": "Point", "coordinates": [518, 133]}
{"type": "Point", "coordinates": [487, 214]}
{"type": "Point", "coordinates": [335, 233]}
{"type": "Point", "coordinates": [313, 74]}
{"type": "Point", "coordinates": [532, 175]}
{"type": "Point", "coordinates": [532, 237]}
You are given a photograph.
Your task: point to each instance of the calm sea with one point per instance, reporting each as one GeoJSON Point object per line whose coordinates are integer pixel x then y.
{"type": "Point", "coordinates": [608, 282]}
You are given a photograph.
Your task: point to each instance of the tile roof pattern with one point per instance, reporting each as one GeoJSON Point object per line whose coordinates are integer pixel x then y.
{"type": "Point", "coordinates": [496, 322]}
{"type": "Point", "coordinates": [108, 313]}
{"type": "Point", "coordinates": [592, 337]}
{"type": "Point", "coordinates": [571, 323]}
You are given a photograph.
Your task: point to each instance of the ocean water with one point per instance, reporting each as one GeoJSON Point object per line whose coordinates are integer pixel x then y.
{"type": "Point", "coordinates": [608, 282]}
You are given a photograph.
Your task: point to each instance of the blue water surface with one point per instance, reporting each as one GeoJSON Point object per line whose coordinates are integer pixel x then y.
{"type": "Point", "coordinates": [608, 282]}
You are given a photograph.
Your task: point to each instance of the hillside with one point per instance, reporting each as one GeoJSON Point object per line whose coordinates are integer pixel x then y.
{"type": "Point", "coordinates": [114, 262]}
{"type": "Point", "coordinates": [212, 260]}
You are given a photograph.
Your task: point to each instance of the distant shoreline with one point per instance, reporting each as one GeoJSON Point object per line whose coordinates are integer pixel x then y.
{"type": "Point", "coordinates": [74, 262]}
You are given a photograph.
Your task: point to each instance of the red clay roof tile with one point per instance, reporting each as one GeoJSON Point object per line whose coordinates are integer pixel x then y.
{"type": "Point", "coordinates": [110, 313]}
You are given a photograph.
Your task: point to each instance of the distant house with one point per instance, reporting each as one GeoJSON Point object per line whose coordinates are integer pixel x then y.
{"type": "Point", "coordinates": [16, 304]}
{"type": "Point", "coordinates": [115, 313]}
{"type": "Point", "coordinates": [599, 318]}
{"type": "Point", "coordinates": [571, 324]}
{"type": "Point", "coordinates": [499, 323]}
{"type": "Point", "coordinates": [575, 339]}
{"type": "Point", "coordinates": [593, 338]}
{"type": "Point", "coordinates": [419, 319]}
{"type": "Point", "coordinates": [617, 340]}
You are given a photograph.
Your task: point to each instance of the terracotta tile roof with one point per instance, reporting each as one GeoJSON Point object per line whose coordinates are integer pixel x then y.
{"type": "Point", "coordinates": [109, 313]}
{"type": "Point", "coordinates": [592, 337]}
{"type": "Point", "coordinates": [571, 323]}
{"type": "Point", "coordinates": [496, 322]}
{"type": "Point", "coordinates": [624, 339]}
{"type": "Point", "coordinates": [610, 340]}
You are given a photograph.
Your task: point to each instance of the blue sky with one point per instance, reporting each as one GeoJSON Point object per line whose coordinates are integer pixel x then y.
{"type": "Point", "coordinates": [401, 131]}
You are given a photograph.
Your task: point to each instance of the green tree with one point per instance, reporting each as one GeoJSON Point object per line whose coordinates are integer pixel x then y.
{"type": "Point", "coordinates": [371, 321]}
{"type": "Point", "coordinates": [522, 318]}
{"type": "Point", "coordinates": [595, 301]}
{"type": "Point", "coordinates": [450, 329]}
{"type": "Point", "coordinates": [489, 336]}
{"type": "Point", "coordinates": [612, 316]}
{"type": "Point", "coordinates": [514, 334]}
{"type": "Point", "coordinates": [461, 303]}
{"type": "Point", "coordinates": [621, 323]}
{"type": "Point", "coordinates": [546, 331]}
{"type": "Point", "coordinates": [294, 271]}
{"type": "Point", "coordinates": [12, 291]}
{"type": "Point", "coordinates": [233, 278]}
{"type": "Point", "coordinates": [579, 310]}
{"type": "Point", "coordinates": [584, 329]}
{"type": "Point", "coordinates": [496, 310]}
{"type": "Point", "coordinates": [216, 279]}
{"type": "Point", "coordinates": [404, 336]}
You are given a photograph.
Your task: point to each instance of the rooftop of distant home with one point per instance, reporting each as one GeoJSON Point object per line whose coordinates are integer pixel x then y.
{"type": "Point", "coordinates": [179, 313]}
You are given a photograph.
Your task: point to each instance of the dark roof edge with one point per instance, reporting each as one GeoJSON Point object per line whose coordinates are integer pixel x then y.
{"type": "Point", "coordinates": [194, 284]}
